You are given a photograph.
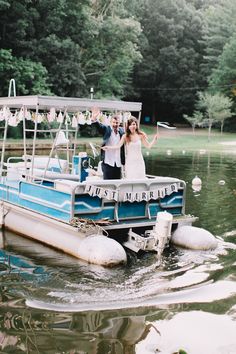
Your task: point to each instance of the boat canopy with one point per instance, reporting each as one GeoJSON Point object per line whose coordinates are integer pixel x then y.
{"type": "Point", "coordinates": [68, 103]}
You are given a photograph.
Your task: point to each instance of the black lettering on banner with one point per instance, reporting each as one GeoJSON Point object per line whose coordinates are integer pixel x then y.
{"type": "Point", "coordinates": [162, 193]}
{"type": "Point", "coordinates": [113, 194]}
{"type": "Point", "coordinates": [97, 191]}
{"type": "Point", "coordinates": [144, 196]}
{"type": "Point", "coordinates": [88, 189]}
{"type": "Point", "coordinates": [128, 196]}
{"type": "Point", "coordinates": [131, 196]}
{"type": "Point", "coordinates": [105, 193]}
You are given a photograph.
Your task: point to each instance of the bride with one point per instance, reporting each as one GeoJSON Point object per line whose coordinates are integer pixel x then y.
{"type": "Point", "coordinates": [133, 140]}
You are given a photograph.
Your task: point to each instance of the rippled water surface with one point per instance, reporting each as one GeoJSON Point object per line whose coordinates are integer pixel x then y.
{"type": "Point", "coordinates": [53, 303]}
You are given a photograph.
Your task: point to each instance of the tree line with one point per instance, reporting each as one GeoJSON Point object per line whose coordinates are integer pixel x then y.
{"type": "Point", "coordinates": [169, 54]}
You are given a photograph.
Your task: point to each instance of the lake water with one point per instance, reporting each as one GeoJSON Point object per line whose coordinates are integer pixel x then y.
{"type": "Point", "coordinates": [53, 303]}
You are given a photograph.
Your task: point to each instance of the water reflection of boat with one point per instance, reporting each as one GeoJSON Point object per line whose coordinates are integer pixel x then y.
{"type": "Point", "coordinates": [15, 264]}
{"type": "Point", "coordinates": [91, 332]}
{"type": "Point", "coordinates": [55, 200]}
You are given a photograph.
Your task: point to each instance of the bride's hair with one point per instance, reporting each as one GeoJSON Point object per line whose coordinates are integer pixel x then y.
{"type": "Point", "coordinates": [127, 130]}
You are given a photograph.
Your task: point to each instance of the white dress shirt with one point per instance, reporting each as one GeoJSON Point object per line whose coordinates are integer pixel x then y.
{"type": "Point", "coordinates": [112, 157]}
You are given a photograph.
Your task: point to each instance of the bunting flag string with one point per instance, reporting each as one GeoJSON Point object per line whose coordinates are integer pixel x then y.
{"type": "Point", "coordinates": [124, 196]}
{"type": "Point", "coordinates": [81, 118]}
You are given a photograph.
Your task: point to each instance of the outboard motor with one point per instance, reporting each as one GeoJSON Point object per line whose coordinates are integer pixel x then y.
{"type": "Point", "coordinates": [80, 165]}
{"type": "Point", "coordinates": [162, 230]}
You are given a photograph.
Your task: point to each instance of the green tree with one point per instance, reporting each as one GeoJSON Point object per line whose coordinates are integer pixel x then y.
{"type": "Point", "coordinates": [31, 77]}
{"type": "Point", "coordinates": [194, 120]}
{"type": "Point", "coordinates": [81, 43]}
{"type": "Point", "coordinates": [113, 49]}
{"type": "Point", "coordinates": [167, 76]}
{"type": "Point", "coordinates": [219, 26]}
{"type": "Point", "coordinates": [216, 108]}
{"type": "Point", "coordinates": [223, 77]}
{"type": "Point", "coordinates": [223, 115]}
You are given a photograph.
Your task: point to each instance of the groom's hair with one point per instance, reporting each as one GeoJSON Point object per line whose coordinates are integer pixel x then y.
{"type": "Point", "coordinates": [116, 117]}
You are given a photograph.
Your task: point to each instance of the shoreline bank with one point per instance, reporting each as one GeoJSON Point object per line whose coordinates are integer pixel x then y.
{"type": "Point", "coordinates": [176, 140]}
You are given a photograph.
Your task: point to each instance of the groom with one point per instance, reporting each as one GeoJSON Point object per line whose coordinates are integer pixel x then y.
{"type": "Point", "coordinates": [111, 159]}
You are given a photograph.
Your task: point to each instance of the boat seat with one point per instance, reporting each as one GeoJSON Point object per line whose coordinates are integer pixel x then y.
{"type": "Point", "coordinates": [41, 162]}
{"type": "Point", "coordinates": [15, 170]}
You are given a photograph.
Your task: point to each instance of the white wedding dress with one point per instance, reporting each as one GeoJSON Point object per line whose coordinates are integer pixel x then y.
{"type": "Point", "coordinates": [134, 162]}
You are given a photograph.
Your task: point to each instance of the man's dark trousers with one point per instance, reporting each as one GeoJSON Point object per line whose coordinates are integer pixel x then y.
{"type": "Point", "coordinates": [111, 172]}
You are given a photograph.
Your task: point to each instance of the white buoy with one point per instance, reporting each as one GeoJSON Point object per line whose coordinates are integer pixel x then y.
{"type": "Point", "coordinates": [168, 152]}
{"type": "Point", "coordinates": [183, 152]}
{"type": "Point", "coordinates": [221, 182]}
{"type": "Point", "coordinates": [196, 188]}
{"type": "Point", "coordinates": [202, 152]}
{"type": "Point", "coordinates": [99, 249]}
{"type": "Point", "coordinates": [196, 181]}
{"type": "Point", "coordinates": [147, 153]}
{"type": "Point", "coordinates": [193, 238]}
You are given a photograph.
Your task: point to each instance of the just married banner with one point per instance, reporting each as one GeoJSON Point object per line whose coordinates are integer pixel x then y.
{"type": "Point", "coordinates": [124, 196]}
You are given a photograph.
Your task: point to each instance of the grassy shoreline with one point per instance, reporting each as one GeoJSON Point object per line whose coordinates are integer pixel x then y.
{"type": "Point", "coordinates": [176, 140]}
{"type": "Point", "coordinates": [184, 139]}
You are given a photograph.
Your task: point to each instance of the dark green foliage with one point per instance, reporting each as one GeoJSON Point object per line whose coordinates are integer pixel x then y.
{"type": "Point", "coordinates": [29, 75]}
{"type": "Point", "coordinates": [172, 55]}
{"type": "Point", "coordinates": [15, 133]}
{"type": "Point", "coordinates": [89, 130]}
{"type": "Point", "coordinates": [223, 78]}
{"type": "Point", "coordinates": [79, 44]}
{"type": "Point", "coordinates": [218, 28]}
{"type": "Point", "coordinates": [158, 52]}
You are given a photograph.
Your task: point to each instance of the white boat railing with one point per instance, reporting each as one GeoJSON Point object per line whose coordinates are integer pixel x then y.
{"type": "Point", "coordinates": [18, 109]}
{"type": "Point", "coordinates": [12, 85]}
{"type": "Point", "coordinates": [63, 104]}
